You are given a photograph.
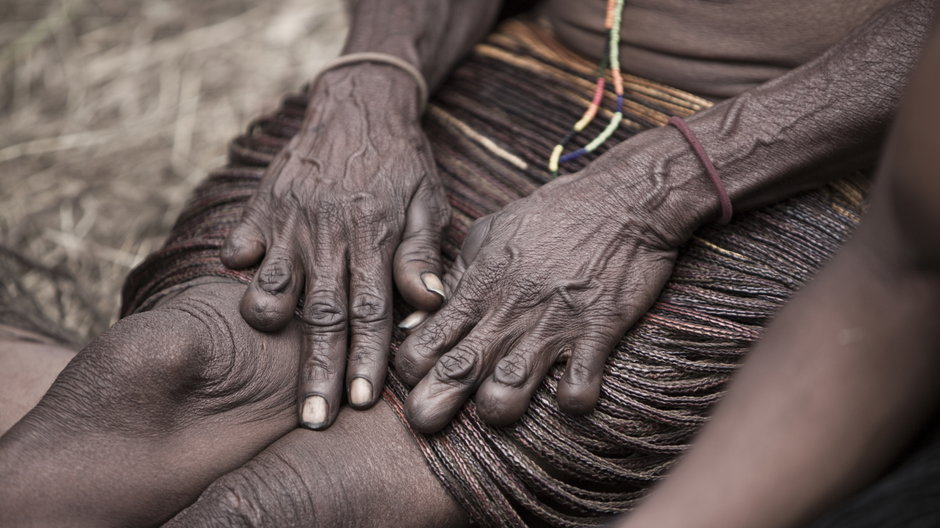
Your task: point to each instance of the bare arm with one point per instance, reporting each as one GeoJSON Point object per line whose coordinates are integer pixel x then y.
{"type": "Point", "coordinates": [815, 123]}
{"type": "Point", "coordinates": [847, 373]}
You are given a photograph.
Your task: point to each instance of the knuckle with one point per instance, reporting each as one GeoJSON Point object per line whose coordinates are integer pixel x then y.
{"type": "Point", "coordinates": [320, 367]}
{"type": "Point", "coordinates": [235, 504]}
{"type": "Point", "coordinates": [327, 212]}
{"type": "Point", "coordinates": [324, 312]}
{"type": "Point", "coordinates": [243, 498]}
{"type": "Point", "coordinates": [276, 273]}
{"type": "Point", "coordinates": [130, 348]}
{"type": "Point", "coordinates": [511, 370]}
{"type": "Point", "coordinates": [457, 365]}
{"type": "Point", "coordinates": [366, 208]}
{"type": "Point", "coordinates": [364, 356]}
{"type": "Point", "coordinates": [370, 307]}
{"type": "Point", "coordinates": [420, 246]}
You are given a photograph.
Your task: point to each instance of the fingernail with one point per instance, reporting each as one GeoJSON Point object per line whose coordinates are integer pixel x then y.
{"type": "Point", "coordinates": [413, 320]}
{"type": "Point", "coordinates": [360, 392]}
{"type": "Point", "coordinates": [433, 284]}
{"type": "Point", "coordinates": [315, 412]}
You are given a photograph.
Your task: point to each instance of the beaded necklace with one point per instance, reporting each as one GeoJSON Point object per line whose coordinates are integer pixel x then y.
{"type": "Point", "coordinates": [611, 54]}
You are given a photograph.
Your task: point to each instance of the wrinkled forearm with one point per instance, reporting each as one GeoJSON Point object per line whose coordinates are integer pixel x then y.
{"type": "Point", "coordinates": [817, 122]}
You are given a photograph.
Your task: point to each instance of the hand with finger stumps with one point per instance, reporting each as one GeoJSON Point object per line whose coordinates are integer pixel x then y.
{"type": "Point", "coordinates": [351, 206]}
{"type": "Point", "coordinates": [558, 276]}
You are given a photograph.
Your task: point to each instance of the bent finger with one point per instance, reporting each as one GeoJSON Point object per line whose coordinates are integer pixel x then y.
{"type": "Point", "coordinates": [434, 402]}
{"type": "Point", "coordinates": [245, 244]}
{"type": "Point", "coordinates": [451, 280]}
{"type": "Point", "coordinates": [439, 333]}
{"type": "Point", "coordinates": [580, 385]}
{"type": "Point", "coordinates": [505, 395]}
{"type": "Point", "coordinates": [270, 300]}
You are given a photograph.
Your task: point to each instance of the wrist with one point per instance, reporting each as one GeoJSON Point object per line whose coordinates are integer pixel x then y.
{"type": "Point", "coordinates": [368, 85]}
{"type": "Point", "coordinates": [658, 172]}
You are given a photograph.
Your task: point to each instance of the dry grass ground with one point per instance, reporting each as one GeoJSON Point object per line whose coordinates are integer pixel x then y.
{"type": "Point", "coordinates": [110, 112]}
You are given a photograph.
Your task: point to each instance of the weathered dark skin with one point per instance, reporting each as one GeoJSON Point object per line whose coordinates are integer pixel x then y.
{"type": "Point", "coordinates": [354, 200]}
{"type": "Point", "coordinates": [564, 272]}
{"type": "Point", "coordinates": [165, 402]}
{"type": "Point", "coordinates": [168, 401]}
{"type": "Point", "coordinates": [846, 375]}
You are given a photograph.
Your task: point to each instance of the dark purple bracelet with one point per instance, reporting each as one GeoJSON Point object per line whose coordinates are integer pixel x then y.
{"type": "Point", "coordinates": [723, 197]}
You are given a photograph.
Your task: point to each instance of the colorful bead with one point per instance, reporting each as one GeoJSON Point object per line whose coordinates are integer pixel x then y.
{"type": "Point", "coordinates": [612, 22]}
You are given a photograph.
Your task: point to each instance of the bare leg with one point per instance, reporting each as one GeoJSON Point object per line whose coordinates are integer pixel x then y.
{"type": "Point", "coordinates": [150, 413]}
{"type": "Point", "coordinates": [28, 365]}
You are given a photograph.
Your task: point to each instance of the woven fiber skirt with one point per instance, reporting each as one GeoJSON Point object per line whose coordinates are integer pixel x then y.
{"type": "Point", "coordinates": [492, 127]}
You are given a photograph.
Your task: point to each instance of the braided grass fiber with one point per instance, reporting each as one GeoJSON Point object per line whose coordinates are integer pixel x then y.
{"type": "Point", "coordinates": [492, 126]}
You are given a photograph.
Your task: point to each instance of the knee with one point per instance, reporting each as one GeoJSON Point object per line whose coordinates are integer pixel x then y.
{"type": "Point", "coordinates": [166, 347]}
{"type": "Point", "coordinates": [136, 376]}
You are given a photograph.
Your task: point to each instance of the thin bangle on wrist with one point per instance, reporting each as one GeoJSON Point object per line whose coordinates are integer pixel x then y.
{"type": "Point", "coordinates": [380, 58]}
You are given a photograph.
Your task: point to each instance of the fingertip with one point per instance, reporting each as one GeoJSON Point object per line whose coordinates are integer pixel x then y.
{"type": "Point", "coordinates": [578, 399]}
{"type": "Point", "coordinates": [432, 282]}
{"type": "Point", "coordinates": [500, 406]}
{"type": "Point", "coordinates": [242, 248]}
{"type": "Point", "coordinates": [424, 418]}
{"type": "Point", "coordinates": [413, 321]}
{"type": "Point", "coordinates": [266, 313]}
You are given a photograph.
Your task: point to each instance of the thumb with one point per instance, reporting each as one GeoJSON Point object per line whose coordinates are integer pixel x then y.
{"type": "Point", "coordinates": [245, 244]}
{"type": "Point", "coordinates": [417, 263]}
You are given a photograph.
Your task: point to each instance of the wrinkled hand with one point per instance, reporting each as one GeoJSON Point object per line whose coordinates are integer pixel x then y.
{"type": "Point", "coordinates": [354, 192]}
{"type": "Point", "coordinates": [557, 276]}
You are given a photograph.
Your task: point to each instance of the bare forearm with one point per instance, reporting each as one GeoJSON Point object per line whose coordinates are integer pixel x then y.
{"type": "Point", "coordinates": [817, 122]}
